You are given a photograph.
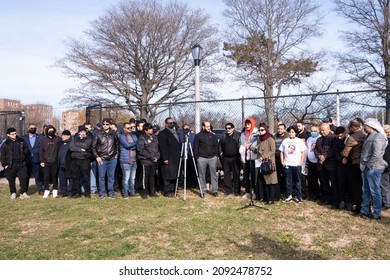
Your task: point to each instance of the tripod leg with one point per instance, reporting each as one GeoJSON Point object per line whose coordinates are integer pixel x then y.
{"type": "Point", "coordinates": [178, 171]}
{"type": "Point", "coordinates": [196, 171]}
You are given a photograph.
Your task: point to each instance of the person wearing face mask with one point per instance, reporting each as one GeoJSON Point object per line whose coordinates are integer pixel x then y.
{"type": "Point", "coordinates": [170, 147]}
{"type": "Point", "coordinates": [311, 164]}
{"type": "Point", "coordinates": [34, 140]}
{"type": "Point", "coordinates": [266, 151]}
{"type": "Point", "coordinates": [48, 157]}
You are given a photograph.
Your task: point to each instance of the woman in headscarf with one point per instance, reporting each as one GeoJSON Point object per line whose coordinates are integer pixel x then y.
{"type": "Point", "coordinates": [267, 183]}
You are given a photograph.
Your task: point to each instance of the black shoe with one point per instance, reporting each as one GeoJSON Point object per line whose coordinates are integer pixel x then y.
{"type": "Point", "coordinates": [385, 208]}
{"type": "Point", "coordinates": [76, 196]}
{"type": "Point", "coordinates": [227, 193]}
{"type": "Point", "coordinates": [324, 202]}
{"type": "Point", "coordinates": [153, 195]}
{"type": "Point", "coordinates": [215, 194]}
{"type": "Point", "coordinates": [144, 196]}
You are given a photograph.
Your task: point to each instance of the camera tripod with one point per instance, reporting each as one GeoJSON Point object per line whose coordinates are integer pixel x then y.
{"type": "Point", "coordinates": [184, 156]}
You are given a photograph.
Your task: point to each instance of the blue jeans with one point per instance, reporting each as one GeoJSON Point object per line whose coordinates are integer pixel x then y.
{"type": "Point", "coordinates": [293, 175]}
{"type": "Point", "coordinates": [108, 167]}
{"type": "Point", "coordinates": [372, 191]}
{"type": "Point", "coordinates": [128, 178]}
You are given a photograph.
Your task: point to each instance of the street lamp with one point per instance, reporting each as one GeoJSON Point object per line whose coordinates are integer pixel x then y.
{"type": "Point", "coordinates": [197, 52]}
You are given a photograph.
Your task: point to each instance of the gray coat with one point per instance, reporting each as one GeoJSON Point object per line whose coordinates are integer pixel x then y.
{"type": "Point", "coordinates": [372, 153]}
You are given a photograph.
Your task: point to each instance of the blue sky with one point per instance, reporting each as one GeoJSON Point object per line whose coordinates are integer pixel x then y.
{"type": "Point", "coordinates": [32, 35]}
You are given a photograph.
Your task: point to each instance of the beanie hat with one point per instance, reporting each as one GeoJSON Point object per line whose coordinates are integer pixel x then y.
{"type": "Point", "coordinates": [81, 128]}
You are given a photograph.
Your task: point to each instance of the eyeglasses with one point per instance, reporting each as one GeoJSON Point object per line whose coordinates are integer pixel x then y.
{"type": "Point", "coordinates": [132, 127]}
{"type": "Point", "coordinates": [128, 127]}
{"type": "Point", "coordinates": [106, 124]}
{"type": "Point", "coordinates": [228, 128]}
{"type": "Point", "coordinates": [170, 123]}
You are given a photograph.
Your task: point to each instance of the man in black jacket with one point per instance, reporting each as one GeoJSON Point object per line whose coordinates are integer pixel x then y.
{"type": "Point", "coordinates": [48, 154]}
{"type": "Point", "coordinates": [105, 149]}
{"type": "Point", "coordinates": [64, 165]}
{"type": "Point", "coordinates": [170, 148]}
{"type": "Point", "coordinates": [230, 144]}
{"type": "Point", "coordinates": [148, 154]}
{"type": "Point", "coordinates": [81, 153]}
{"type": "Point", "coordinates": [206, 152]}
{"type": "Point", "coordinates": [13, 158]}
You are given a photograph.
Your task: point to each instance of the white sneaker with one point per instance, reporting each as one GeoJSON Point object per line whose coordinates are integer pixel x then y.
{"type": "Point", "coordinates": [288, 199]}
{"type": "Point", "coordinates": [24, 195]}
{"type": "Point", "coordinates": [55, 193]}
{"type": "Point", "coordinates": [46, 194]}
{"type": "Point", "coordinates": [13, 196]}
{"type": "Point", "coordinates": [247, 195]}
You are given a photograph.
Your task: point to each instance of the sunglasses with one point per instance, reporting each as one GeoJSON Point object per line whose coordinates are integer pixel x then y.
{"type": "Point", "coordinates": [262, 129]}
{"type": "Point", "coordinates": [106, 124]}
{"type": "Point", "coordinates": [228, 128]}
{"type": "Point", "coordinates": [128, 127]}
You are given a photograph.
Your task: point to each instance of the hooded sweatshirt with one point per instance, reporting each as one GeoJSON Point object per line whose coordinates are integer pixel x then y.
{"type": "Point", "coordinates": [50, 145]}
{"type": "Point", "coordinates": [249, 137]}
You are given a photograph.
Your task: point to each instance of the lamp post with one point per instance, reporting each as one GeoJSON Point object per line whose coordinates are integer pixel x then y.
{"type": "Point", "coordinates": [197, 52]}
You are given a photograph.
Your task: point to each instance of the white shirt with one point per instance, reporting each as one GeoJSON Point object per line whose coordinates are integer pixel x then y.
{"type": "Point", "coordinates": [292, 150]}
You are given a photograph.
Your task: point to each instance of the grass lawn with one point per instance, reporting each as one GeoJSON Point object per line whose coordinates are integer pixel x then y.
{"type": "Point", "coordinates": [195, 229]}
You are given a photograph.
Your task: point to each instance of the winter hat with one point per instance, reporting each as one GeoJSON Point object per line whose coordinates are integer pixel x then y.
{"type": "Point", "coordinates": [81, 128]}
{"type": "Point", "coordinates": [66, 132]}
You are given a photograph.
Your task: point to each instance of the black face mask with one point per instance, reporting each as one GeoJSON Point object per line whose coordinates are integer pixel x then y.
{"type": "Point", "coordinates": [32, 130]}
{"type": "Point", "coordinates": [50, 133]}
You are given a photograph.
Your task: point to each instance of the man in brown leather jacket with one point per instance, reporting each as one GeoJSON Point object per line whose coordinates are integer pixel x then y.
{"type": "Point", "coordinates": [351, 155]}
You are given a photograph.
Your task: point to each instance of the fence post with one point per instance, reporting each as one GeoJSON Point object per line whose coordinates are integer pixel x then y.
{"type": "Point", "coordinates": [338, 108]}
{"type": "Point", "coordinates": [242, 110]}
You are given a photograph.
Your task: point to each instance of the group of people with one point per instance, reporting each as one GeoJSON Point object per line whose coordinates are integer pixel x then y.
{"type": "Point", "coordinates": [346, 168]}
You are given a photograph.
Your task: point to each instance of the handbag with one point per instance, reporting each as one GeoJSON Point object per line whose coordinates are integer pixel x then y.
{"type": "Point", "coordinates": [267, 167]}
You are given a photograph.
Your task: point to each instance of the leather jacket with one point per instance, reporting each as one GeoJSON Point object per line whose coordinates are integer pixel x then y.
{"type": "Point", "coordinates": [105, 145]}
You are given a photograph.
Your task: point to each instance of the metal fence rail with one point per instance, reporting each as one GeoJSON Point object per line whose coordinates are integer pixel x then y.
{"type": "Point", "coordinates": [340, 106]}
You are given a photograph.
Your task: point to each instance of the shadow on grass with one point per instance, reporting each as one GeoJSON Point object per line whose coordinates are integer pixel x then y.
{"type": "Point", "coordinates": [266, 248]}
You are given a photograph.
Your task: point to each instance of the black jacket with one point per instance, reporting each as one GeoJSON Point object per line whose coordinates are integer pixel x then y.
{"type": "Point", "coordinates": [64, 160]}
{"type": "Point", "coordinates": [8, 150]}
{"type": "Point", "coordinates": [230, 145]}
{"type": "Point", "coordinates": [206, 145]}
{"type": "Point", "coordinates": [81, 143]}
{"type": "Point", "coordinates": [170, 149]}
{"type": "Point", "coordinates": [147, 149]}
{"type": "Point", "coordinates": [105, 145]}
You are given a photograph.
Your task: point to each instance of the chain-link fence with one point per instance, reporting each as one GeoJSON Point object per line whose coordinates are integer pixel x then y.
{"type": "Point", "coordinates": [11, 119]}
{"type": "Point", "coordinates": [311, 109]}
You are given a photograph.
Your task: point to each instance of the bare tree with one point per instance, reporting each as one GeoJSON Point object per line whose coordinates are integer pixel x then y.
{"type": "Point", "coordinates": [367, 60]}
{"type": "Point", "coordinates": [139, 54]}
{"type": "Point", "coordinates": [266, 42]}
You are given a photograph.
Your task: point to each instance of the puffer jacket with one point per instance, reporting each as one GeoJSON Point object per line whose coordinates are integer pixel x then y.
{"type": "Point", "coordinates": [105, 145]}
{"type": "Point", "coordinates": [147, 149]}
{"type": "Point", "coordinates": [7, 157]}
{"type": "Point", "coordinates": [128, 146]}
